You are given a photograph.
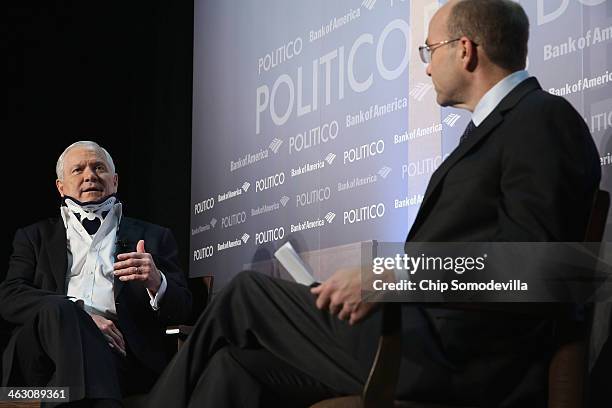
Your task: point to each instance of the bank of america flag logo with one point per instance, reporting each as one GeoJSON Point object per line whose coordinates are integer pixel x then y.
{"type": "Point", "coordinates": [245, 237]}
{"type": "Point", "coordinates": [330, 158]}
{"type": "Point", "coordinates": [213, 222]}
{"type": "Point", "coordinates": [451, 119]}
{"type": "Point", "coordinates": [420, 90]}
{"type": "Point", "coordinates": [369, 4]}
{"type": "Point", "coordinates": [275, 145]}
{"type": "Point", "coordinates": [384, 172]}
{"type": "Point", "coordinates": [330, 217]}
{"type": "Point", "coordinates": [284, 200]}
{"type": "Point", "coordinates": [245, 186]}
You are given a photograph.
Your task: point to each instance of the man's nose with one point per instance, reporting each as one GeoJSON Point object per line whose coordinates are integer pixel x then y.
{"type": "Point", "coordinates": [428, 70]}
{"type": "Point", "coordinates": [90, 174]}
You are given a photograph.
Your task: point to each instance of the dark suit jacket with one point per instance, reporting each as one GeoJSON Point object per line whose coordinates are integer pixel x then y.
{"type": "Point", "coordinates": [37, 272]}
{"type": "Point", "coordinates": [527, 173]}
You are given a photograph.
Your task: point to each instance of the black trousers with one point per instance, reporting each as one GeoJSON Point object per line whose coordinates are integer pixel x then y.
{"type": "Point", "coordinates": [62, 347]}
{"type": "Point", "coordinates": [263, 343]}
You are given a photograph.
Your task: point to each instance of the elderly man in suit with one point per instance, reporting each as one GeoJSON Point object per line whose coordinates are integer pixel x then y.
{"type": "Point", "coordinates": [91, 291]}
{"type": "Point", "coordinates": [526, 170]}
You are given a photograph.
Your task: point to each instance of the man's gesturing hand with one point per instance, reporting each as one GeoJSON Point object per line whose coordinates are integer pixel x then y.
{"type": "Point", "coordinates": [111, 333]}
{"type": "Point", "coordinates": [138, 266]}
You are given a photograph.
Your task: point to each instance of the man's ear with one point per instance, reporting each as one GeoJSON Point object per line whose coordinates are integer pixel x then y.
{"type": "Point", "coordinates": [60, 186]}
{"type": "Point", "coordinates": [116, 181]}
{"type": "Point", "coordinates": [469, 54]}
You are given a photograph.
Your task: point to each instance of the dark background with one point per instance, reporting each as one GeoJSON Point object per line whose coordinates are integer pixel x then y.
{"type": "Point", "coordinates": [115, 72]}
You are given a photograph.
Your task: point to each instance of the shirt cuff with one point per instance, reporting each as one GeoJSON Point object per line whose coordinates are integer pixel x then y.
{"type": "Point", "coordinates": [155, 300]}
{"type": "Point", "coordinates": [78, 301]}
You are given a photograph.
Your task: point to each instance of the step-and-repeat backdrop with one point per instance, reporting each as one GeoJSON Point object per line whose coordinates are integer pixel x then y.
{"type": "Point", "coordinates": [314, 121]}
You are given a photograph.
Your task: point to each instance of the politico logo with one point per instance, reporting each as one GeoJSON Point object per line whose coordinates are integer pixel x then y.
{"type": "Point", "coordinates": [364, 151]}
{"type": "Point", "coordinates": [600, 122]}
{"type": "Point", "coordinates": [204, 205]}
{"type": "Point", "coordinates": [547, 14]}
{"type": "Point", "coordinates": [366, 213]}
{"type": "Point", "coordinates": [203, 253]}
{"type": "Point", "coordinates": [315, 136]}
{"type": "Point", "coordinates": [297, 101]}
{"type": "Point", "coordinates": [313, 197]}
{"type": "Point", "coordinates": [269, 182]}
{"type": "Point", "coordinates": [422, 167]}
{"type": "Point", "coordinates": [232, 220]}
{"type": "Point", "coordinates": [270, 235]}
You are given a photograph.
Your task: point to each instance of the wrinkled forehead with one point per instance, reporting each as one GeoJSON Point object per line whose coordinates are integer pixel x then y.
{"type": "Point", "coordinates": [82, 154]}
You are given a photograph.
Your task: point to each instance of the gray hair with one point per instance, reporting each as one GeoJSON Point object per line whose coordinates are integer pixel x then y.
{"type": "Point", "coordinates": [59, 167]}
{"type": "Point", "coordinates": [500, 27]}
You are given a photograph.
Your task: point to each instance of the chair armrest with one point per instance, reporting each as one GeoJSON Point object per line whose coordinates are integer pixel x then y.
{"type": "Point", "coordinates": [379, 390]}
{"type": "Point", "coordinates": [181, 332]}
{"type": "Point", "coordinates": [566, 376]}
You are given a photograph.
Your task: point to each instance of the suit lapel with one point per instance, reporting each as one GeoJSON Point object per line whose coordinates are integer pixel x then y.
{"type": "Point", "coordinates": [478, 134]}
{"type": "Point", "coordinates": [58, 254]}
{"type": "Point", "coordinates": [484, 129]}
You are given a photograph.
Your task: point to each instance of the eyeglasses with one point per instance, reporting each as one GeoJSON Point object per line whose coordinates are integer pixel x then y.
{"type": "Point", "coordinates": [426, 50]}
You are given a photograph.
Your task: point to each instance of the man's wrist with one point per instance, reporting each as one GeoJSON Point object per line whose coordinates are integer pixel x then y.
{"type": "Point", "coordinates": [157, 296]}
{"type": "Point", "coordinates": [158, 282]}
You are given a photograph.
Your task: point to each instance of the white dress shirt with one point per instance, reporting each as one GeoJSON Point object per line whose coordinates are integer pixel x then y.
{"type": "Point", "coordinates": [90, 264]}
{"type": "Point", "coordinates": [494, 96]}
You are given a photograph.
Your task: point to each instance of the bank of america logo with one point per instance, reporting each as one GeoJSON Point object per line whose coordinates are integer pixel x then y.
{"type": "Point", "coordinates": [451, 120]}
{"type": "Point", "coordinates": [330, 158]}
{"type": "Point", "coordinates": [384, 172]}
{"type": "Point", "coordinates": [330, 217]}
{"type": "Point", "coordinates": [275, 145]}
{"type": "Point", "coordinates": [369, 4]}
{"type": "Point", "coordinates": [245, 237]}
{"type": "Point", "coordinates": [284, 200]}
{"type": "Point", "coordinates": [420, 90]}
{"type": "Point", "coordinates": [213, 222]}
{"type": "Point", "coordinates": [245, 186]}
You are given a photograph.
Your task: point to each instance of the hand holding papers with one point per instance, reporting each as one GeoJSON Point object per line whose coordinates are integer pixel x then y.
{"type": "Point", "coordinates": [296, 267]}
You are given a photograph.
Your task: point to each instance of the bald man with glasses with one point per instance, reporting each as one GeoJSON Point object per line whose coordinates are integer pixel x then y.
{"type": "Point", "coordinates": [526, 169]}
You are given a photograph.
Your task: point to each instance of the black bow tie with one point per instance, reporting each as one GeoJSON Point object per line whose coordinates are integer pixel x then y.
{"type": "Point", "coordinates": [91, 226]}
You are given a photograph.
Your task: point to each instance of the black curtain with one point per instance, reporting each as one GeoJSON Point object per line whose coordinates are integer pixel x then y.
{"type": "Point", "coordinates": [116, 72]}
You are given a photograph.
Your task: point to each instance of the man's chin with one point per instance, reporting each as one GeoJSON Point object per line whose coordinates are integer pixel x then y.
{"type": "Point", "coordinates": [91, 196]}
{"type": "Point", "coordinates": [446, 102]}
{"type": "Point", "coordinates": [442, 101]}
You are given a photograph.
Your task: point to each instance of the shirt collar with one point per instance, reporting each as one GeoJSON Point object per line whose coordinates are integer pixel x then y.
{"type": "Point", "coordinates": [494, 96]}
